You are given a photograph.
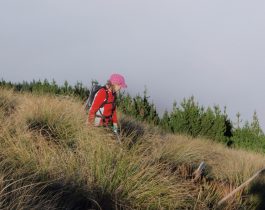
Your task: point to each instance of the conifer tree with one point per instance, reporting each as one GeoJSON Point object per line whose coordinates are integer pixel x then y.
{"type": "Point", "coordinates": [255, 126]}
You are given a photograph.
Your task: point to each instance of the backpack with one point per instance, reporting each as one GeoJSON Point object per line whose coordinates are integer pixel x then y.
{"type": "Point", "coordinates": [92, 92]}
{"type": "Point", "coordinates": [94, 89]}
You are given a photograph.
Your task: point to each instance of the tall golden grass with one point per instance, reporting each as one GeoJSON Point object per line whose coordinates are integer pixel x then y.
{"type": "Point", "coordinates": [50, 159]}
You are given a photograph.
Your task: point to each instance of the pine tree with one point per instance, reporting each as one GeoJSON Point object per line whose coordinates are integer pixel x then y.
{"type": "Point", "coordinates": [255, 126]}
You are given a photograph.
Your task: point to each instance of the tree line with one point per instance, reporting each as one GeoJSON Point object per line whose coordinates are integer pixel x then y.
{"type": "Point", "coordinates": [41, 87]}
{"type": "Point", "coordinates": [187, 117]}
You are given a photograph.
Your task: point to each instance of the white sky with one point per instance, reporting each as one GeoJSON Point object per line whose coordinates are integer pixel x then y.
{"type": "Point", "coordinates": [213, 50]}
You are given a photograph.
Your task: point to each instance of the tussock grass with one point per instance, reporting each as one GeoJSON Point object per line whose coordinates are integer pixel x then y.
{"type": "Point", "coordinates": [7, 104]}
{"type": "Point", "coordinates": [23, 193]}
{"type": "Point", "coordinates": [50, 159]}
{"type": "Point", "coordinates": [135, 180]}
{"type": "Point", "coordinates": [112, 177]}
{"type": "Point", "coordinates": [226, 164]}
{"type": "Point", "coordinates": [56, 119]}
{"type": "Point", "coordinates": [225, 168]}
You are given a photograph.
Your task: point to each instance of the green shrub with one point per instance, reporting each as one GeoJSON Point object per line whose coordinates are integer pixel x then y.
{"type": "Point", "coordinates": [194, 120]}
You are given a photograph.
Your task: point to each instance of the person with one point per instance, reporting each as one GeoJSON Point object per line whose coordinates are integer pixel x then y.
{"type": "Point", "coordinates": [103, 109]}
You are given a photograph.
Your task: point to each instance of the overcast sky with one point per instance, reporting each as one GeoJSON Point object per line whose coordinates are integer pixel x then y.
{"type": "Point", "coordinates": [214, 50]}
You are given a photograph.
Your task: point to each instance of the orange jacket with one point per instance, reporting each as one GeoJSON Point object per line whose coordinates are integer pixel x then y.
{"type": "Point", "coordinates": [108, 110]}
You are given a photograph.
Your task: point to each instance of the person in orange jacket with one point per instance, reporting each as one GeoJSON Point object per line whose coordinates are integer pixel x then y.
{"type": "Point", "coordinates": [103, 109]}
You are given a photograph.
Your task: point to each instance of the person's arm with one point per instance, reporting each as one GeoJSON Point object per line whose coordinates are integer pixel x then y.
{"type": "Point", "coordinates": [98, 100]}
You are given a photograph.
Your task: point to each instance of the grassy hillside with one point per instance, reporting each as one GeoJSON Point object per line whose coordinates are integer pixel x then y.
{"type": "Point", "coordinates": [50, 159]}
